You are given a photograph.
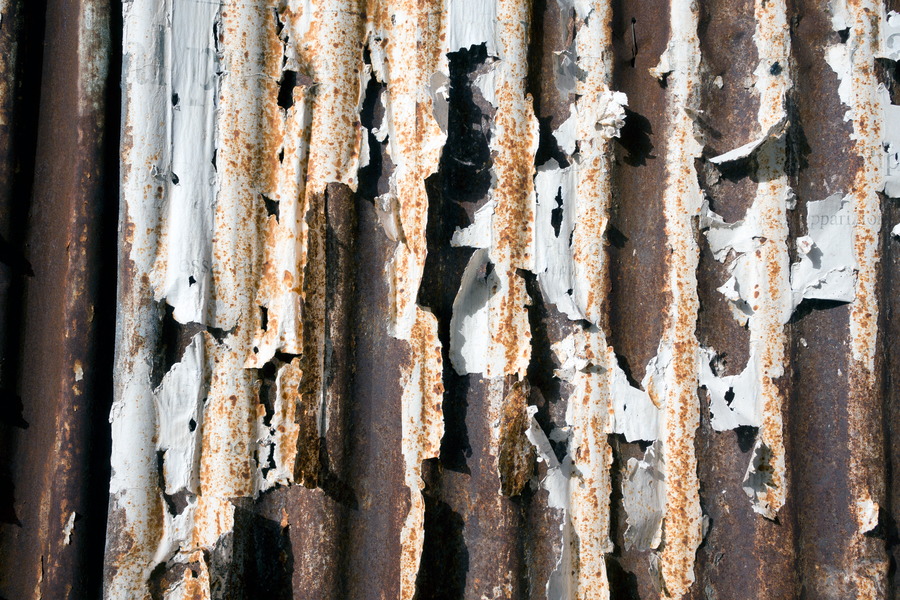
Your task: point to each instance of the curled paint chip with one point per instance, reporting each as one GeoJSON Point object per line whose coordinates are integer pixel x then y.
{"type": "Point", "coordinates": [828, 270]}
{"type": "Point", "coordinates": [775, 132]}
{"type": "Point", "coordinates": [734, 400]}
{"type": "Point", "coordinates": [644, 497]}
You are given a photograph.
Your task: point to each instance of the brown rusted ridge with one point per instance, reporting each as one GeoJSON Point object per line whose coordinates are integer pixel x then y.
{"type": "Point", "coordinates": [56, 208]}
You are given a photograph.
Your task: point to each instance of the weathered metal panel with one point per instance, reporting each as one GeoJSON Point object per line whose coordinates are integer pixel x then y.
{"type": "Point", "coordinates": [449, 299]}
{"type": "Point", "coordinates": [58, 197]}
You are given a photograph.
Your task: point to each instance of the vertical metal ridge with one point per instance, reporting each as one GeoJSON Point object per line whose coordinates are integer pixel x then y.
{"type": "Point", "coordinates": [227, 459]}
{"type": "Point", "coordinates": [682, 201]}
{"type": "Point", "coordinates": [514, 144]}
{"type": "Point", "coordinates": [868, 561]}
{"type": "Point", "coordinates": [413, 85]}
{"type": "Point", "coordinates": [332, 51]}
{"type": "Point", "coordinates": [771, 310]}
{"type": "Point", "coordinates": [598, 113]}
{"type": "Point", "coordinates": [135, 513]}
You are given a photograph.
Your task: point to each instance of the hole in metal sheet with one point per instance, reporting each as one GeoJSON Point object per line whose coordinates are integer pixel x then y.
{"type": "Point", "coordinates": [286, 89]}
{"type": "Point", "coordinates": [556, 215]}
{"type": "Point", "coordinates": [271, 207]}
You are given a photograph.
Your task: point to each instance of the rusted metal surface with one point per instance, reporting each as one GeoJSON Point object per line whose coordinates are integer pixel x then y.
{"type": "Point", "coordinates": [449, 299]}
{"type": "Point", "coordinates": [57, 306]}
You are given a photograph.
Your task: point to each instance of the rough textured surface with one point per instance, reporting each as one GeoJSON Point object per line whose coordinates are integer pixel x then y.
{"type": "Point", "coordinates": [448, 299]}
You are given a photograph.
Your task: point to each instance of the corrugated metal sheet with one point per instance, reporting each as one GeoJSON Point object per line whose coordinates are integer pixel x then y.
{"type": "Point", "coordinates": [448, 299]}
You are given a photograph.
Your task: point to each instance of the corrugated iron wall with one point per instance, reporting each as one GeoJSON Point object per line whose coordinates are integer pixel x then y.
{"type": "Point", "coordinates": [449, 299]}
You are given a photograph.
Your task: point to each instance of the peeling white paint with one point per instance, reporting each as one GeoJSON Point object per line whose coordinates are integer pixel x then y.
{"type": "Point", "coordinates": [827, 269]}
{"type": "Point", "coordinates": [679, 353]}
{"type": "Point", "coordinates": [867, 511]}
{"type": "Point", "coordinates": [514, 140]}
{"type": "Point", "coordinates": [68, 529]}
{"type": "Point", "coordinates": [182, 273]}
{"type": "Point", "coordinates": [644, 497]}
{"type": "Point", "coordinates": [777, 130]}
{"type": "Point", "coordinates": [734, 400]}
{"type": "Point", "coordinates": [179, 403]}
{"type": "Point", "coordinates": [472, 23]}
{"type": "Point", "coordinates": [634, 413]}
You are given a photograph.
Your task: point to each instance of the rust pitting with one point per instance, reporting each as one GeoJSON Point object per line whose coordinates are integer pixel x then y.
{"type": "Point", "coordinates": [515, 455]}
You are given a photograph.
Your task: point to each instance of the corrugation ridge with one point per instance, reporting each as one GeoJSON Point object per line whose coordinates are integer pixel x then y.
{"type": "Point", "coordinates": [682, 202]}
{"type": "Point", "coordinates": [135, 512]}
{"type": "Point", "coordinates": [768, 339]}
{"type": "Point", "coordinates": [868, 560]}
{"type": "Point", "coordinates": [415, 142]}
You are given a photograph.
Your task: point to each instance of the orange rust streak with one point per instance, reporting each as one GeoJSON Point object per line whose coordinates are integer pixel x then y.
{"type": "Point", "coordinates": [423, 428]}
{"type": "Point", "coordinates": [590, 405]}
{"type": "Point", "coordinates": [416, 139]}
{"type": "Point", "coordinates": [594, 177]}
{"type": "Point", "coordinates": [869, 563]}
{"type": "Point", "coordinates": [681, 415]}
{"type": "Point", "coordinates": [227, 466]}
{"type": "Point", "coordinates": [332, 51]}
{"type": "Point", "coordinates": [415, 143]}
{"type": "Point", "coordinates": [513, 147]}
{"type": "Point", "coordinates": [767, 332]}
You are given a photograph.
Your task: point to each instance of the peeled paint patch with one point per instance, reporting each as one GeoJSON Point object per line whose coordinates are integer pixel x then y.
{"type": "Point", "coordinates": [473, 22]}
{"type": "Point", "coordinates": [423, 428]}
{"type": "Point", "coordinates": [764, 480]}
{"type": "Point", "coordinates": [634, 413]}
{"type": "Point", "coordinates": [179, 408]}
{"type": "Point", "coordinates": [469, 325]}
{"type": "Point", "coordinates": [742, 246]}
{"type": "Point", "coordinates": [602, 402]}
{"type": "Point", "coordinates": [560, 584]}
{"type": "Point", "coordinates": [194, 583]}
{"type": "Point", "coordinates": [277, 441]}
{"type": "Point", "coordinates": [867, 513]}
{"type": "Point", "coordinates": [827, 267]}
{"type": "Point", "coordinates": [135, 497]}
{"type": "Point", "coordinates": [734, 400]}
{"type": "Point", "coordinates": [890, 33]}
{"type": "Point", "coordinates": [596, 117]}
{"type": "Point", "coordinates": [580, 486]}
{"type": "Point", "coordinates": [554, 263]}
{"type": "Point", "coordinates": [480, 328]}
{"type": "Point", "coordinates": [69, 528]}
{"type": "Point", "coordinates": [182, 273]}
{"type": "Point", "coordinates": [891, 119]}
{"type": "Point", "coordinates": [775, 131]}
{"type": "Point", "coordinates": [285, 238]}
{"type": "Point", "coordinates": [644, 497]}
